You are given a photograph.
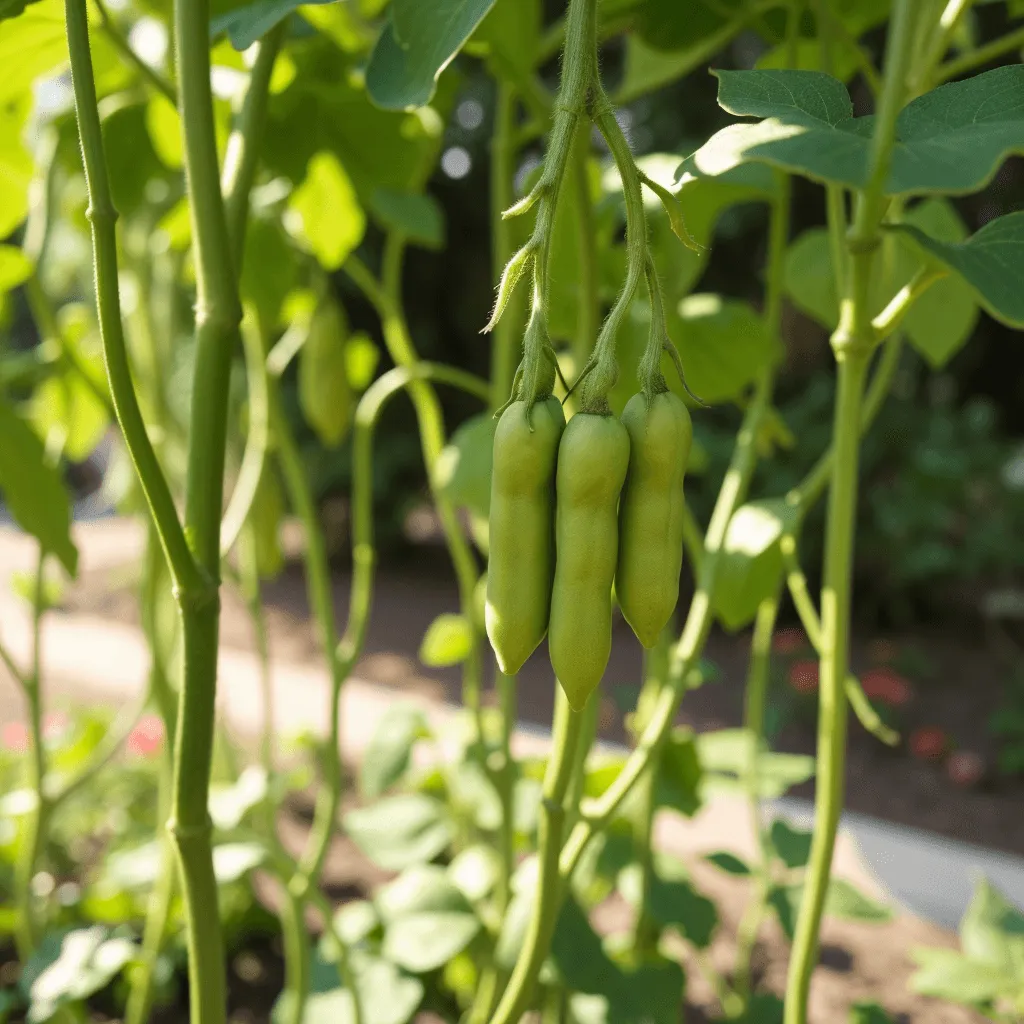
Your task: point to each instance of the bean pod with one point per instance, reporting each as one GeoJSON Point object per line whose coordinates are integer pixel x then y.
{"type": "Point", "coordinates": [651, 512]}
{"type": "Point", "coordinates": [522, 549]}
{"type": "Point", "coordinates": [592, 462]}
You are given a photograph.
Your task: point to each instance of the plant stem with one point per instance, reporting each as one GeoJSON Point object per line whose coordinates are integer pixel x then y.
{"type": "Point", "coordinates": [102, 216]}
{"type": "Point", "coordinates": [32, 842]}
{"type": "Point", "coordinates": [853, 343]}
{"type": "Point", "coordinates": [588, 320]}
{"type": "Point", "coordinates": [507, 700]}
{"type": "Point", "coordinates": [217, 317]}
{"type": "Point", "coordinates": [116, 37]}
{"type": "Point", "coordinates": [548, 898]}
{"type": "Point", "coordinates": [983, 55]}
{"type": "Point", "coordinates": [756, 696]}
{"type": "Point", "coordinates": [503, 155]}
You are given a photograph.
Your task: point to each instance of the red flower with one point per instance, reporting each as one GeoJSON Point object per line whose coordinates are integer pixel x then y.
{"type": "Point", "coordinates": [929, 743]}
{"type": "Point", "coordinates": [886, 686]}
{"type": "Point", "coordinates": [14, 736]}
{"type": "Point", "coordinates": [145, 739]}
{"type": "Point", "coordinates": [965, 768]}
{"type": "Point", "coordinates": [803, 676]}
{"type": "Point", "coordinates": [789, 641]}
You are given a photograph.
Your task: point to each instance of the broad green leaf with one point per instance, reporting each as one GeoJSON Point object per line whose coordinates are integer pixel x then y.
{"type": "Point", "coordinates": [324, 392]}
{"type": "Point", "coordinates": [269, 269]}
{"type": "Point", "coordinates": [11, 9]}
{"type": "Point", "coordinates": [448, 641]}
{"type": "Point", "coordinates": [231, 802]}
{"type": "Point", "coordinates": [324, 212]}
{"type": "Point", "coordinates": [951, 140]}
{"type": "Point", "coordinates": [512, 32]}
{"type": "Point", "coordinates": [728, 862]}
{"type": "Point", "coordinates": [793, 846]}
{"type": "Point", "coordinates": [938, 324]}
{"type": "Point", "coordinates": [991, 261]}
{"type": "Point", "coordinates": [725, 757]}
{"type": "Point", "coordinates": [751, 560]}
{"type": "Point", "coordinates": [673, 903]}
{"type": "Point", "coordinates": [343, 24]}
{"type": "Point", "coordinates": [992, 930]}
{"type": "Point", "coordinates": [132, 162]}
{"type": "Point", "coordinates": [68, 407]}
{"type": "Point", "coordinates": [427, 919]}
{"type": "Point", "coordinates": [946, 974]}
{"type": "Point", "coordinates": [246, 25]}
{"type": "Point", "coordinates": [808, 58]}
{"type": "Point", "coordinates": [15, 165]}
{"type": "Point", "coordinates": [33, 490]}
{"type": "Point", "coordinates": [669, 25]}
{"type": "Point", "coordinates": [387, 995]}
{"type": "Point", "coordinates": [842, 900]}
{"type": "Point", "coordinates": [265, 518]}
{"type": "Point", "coordinates": [463, 470]}
{"type": "Point", "coordinates": [418, 217]}
{"type": "Point", "coordinates": [387, 757]}
{"type": "Point", "coordinates": [164, 126]}
{"type": "Point", "coordinates": [15, 267]}
{"type": "Point", "coordinates": [475, 871]}
{"type": "Point", "coordinates": [416, 44]}
{"type": "Point", "coordinates": [869, 1013]}
{"type": "Point", "coordinates": [679, 773]}
{"type": "Point", "coordinates": [648, 68]}
{"type": "Point", "coordinates": [232, 861]}
{"type": "Point", "coordinates": [723, 343]}
{"type": "Point", "coordinates": [87, 961]}
{"type": "Point", "coordinates": [356, 921]}
{"type": "Point", "coordinates": [32, 45]}
{"type": "Point", "coordinates": [401, 830]}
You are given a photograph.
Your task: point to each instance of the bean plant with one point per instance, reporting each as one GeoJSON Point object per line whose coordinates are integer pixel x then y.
{"type": "Point", "coordinates": [193, 190]}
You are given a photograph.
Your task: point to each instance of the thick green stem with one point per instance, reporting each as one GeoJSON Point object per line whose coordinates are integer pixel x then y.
{"type": "Point", "coordinates": [853, 343]}
{"type": "Point", "coordinates": [35, 823]}
{"type": "Point", "coordinates": [549, 891]}
{"type": "Point", "coordinates": [756, 697]}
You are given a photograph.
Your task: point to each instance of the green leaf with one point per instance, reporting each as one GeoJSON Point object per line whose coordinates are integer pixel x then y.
{"type": "Point", "coordinates": [265, 518]}
{"type": "Point", "coordinates": [416, 44]}
{"type": "Point", "coordinates": [843, 900]}
{"type": "Point", "coordinates": [991, 261]}
{"type": "Point", "coordinates": [648, 68]}
{"type": "Point", "coordinates": [132, 162]}
{"type": "Point", "coordinates": [387, 757]}
{"type": "Point", "coordinates": [356, 921]}
{"type": "Point", "coordinates": [448, 641]}
{"type": "Point", "coordinates": [427, 919]}
{"type": "Point", "coordinates": [762, 1008]}
{"type": "Point", "coordinates": [869, 1013]}
{"type": "Point", "coordinates": [946, 974]}
{"type": "Point", "coordinates": [33, 489]}
{"type": "Point", "coordinates": [511, 31]}
{"type": "Point", "coordinates": [68, 406]}
{"type": "Point", "coordinates": [992, 931]}
{"type": "Point", "coordinates": [72, 967]}
{"type": "Point", "coordinates": [11, 9]}
{"type": "Point", "coordinates": [476, 871]}
{"type": "Point", "coordinates": [387, 995]}
{"type": "Point", "coordinates": [723, 343]}
{"type": "Point", "coordinates": [247, 25]}
{"type": "Point", "coordinates": [323, 375]}
{"type": "Point", "coordinates": [938, 324]}
{"type": "Point", "coordinates": [232, 861]}
{"type": "Point", "coordinates": [463, 469]}
{"type": "Point", "coordinates": [785, 901]}
{"type": "Point", "coordinates": [231, 802]}
{"type": "Point", "coordinates": [793, 846]}
{"type": "Point", "coordinates": [673, 903]}
{"type": "Point", "coordinates": [401, 830]}
{"type": "Point", "coordinates": [32, 45]}
{"type": "Point", "coordinates": [728, 862]}
{"type": "Point", "coordinates": [164, 127]}
{"type": "Point", "coordinates": [750, 568]}
{"type": "Point", "coordinates": [808, 57]}
{"type": "Point", "coordinates": [15, 164]}
{"type": "Point", "coordinates": [361, 358]}
{"type": "Point", "coordinates": [324, 212]}
{"type": "Point", "coordinates": [418, 217]}
{"type": "Point", "coordinates": [669, 25]}
{"type": "Point", "coordinates": [269, 269]}
{"type": "Point", "coordinates": [952, 140]}
{"type": "Point", "coordinates": [15, 268]}
{"type": "Point", "coordinates": [679, 773]}
{"type": "Point", "coordinates": [725, 755]}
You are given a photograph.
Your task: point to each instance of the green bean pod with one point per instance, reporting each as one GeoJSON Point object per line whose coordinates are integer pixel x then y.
{"type": "Point", "coordinates": [651, 512]}
{"type": "Point", "coordinates": [521, 532]}
{"type": "Point", "coordinates": [592, 462]}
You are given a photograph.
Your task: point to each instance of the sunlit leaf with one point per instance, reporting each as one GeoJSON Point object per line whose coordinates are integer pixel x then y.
{"type": "Point", "coordinates": [448, 641]}
{"type": "Point", "coordinates": [326, 213]}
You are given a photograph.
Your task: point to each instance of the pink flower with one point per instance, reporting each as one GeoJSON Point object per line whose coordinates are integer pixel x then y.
{"type": "Point", "coordinates": [803, 676]}
{"type": "Point", "coordinates": [886, 686]}
{"type": "Point", "coordinates": [789, 641]}
{"type": "Point", "coordinates": [929, 743]}
{"type": "Point", "coordinates": [965, 768]}
{"type": "Point", "coordinates": [55, 725]}
{"type": "Point", "coordinates": [14, 736]}
{"type": "Point", "coordinates": [145, 739]}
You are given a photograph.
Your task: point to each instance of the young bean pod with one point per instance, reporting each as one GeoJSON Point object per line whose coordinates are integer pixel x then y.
{"type": "Point", "coordinates": [592, 462]}
{"type": "Point", "coordinates": [522, 548]}
{"type": "Point", "coordinates": [651, 512]}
